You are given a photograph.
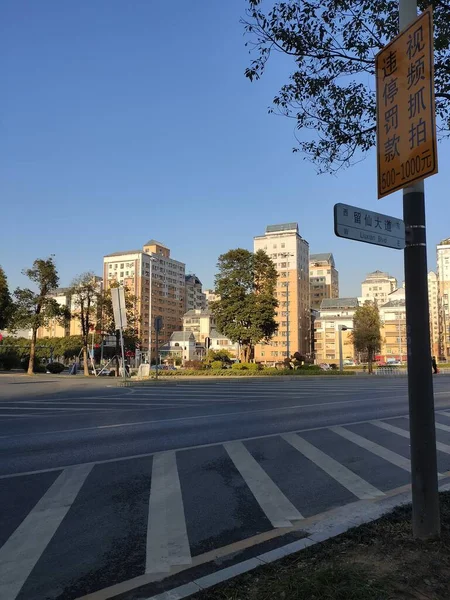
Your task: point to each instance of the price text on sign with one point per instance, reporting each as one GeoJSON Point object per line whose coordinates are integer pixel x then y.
{"type": "Point", "coordinates": [406, 121]}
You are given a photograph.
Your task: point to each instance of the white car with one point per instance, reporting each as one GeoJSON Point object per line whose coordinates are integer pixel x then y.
{"type": "Point", "coordinates": [325, 367]}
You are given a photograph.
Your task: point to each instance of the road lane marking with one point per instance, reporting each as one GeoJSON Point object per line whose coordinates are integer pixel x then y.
{"type": "Point", "coordinates": [381, 451]}
{"type": "Point", "coordinates": [167, 539]}
{"type": "Point", "coordinates": [442, 426]}
{"type": "Point", "coordinates": [403, 433]}
{"type": "Point", "coordinates": [180, 449]}
{"type": "Point", "coordinates": [69, 408]}
{"type": "Point", "coordinates": [277, 508]}
{"type": "Point", "coordinates": [356, 485]}
{"type": "Point", "coordinates": [21, 552]}
{"type": "Point", "coordinates": [195, 417]}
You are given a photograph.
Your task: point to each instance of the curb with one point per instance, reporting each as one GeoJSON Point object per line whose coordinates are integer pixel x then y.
{"type": "Point", "coordinates": [364, 512]}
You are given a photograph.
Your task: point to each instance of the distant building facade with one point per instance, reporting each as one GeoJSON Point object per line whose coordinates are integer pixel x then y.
{"type": "Point", "coordinates": [323, 278]}
{"type": "Point", "coordinates": [211, 296]}
{"type": "Point", "coordinates": [195, 298]}
{"type": "Point", "coordinates": [443, 273]}
{"type": "Point", "coordinates": [158, 283]}
{"type": "Point", "coordinates": [202, 324]}
{"type": "Point", "coordinates": [377, 286]}
{"type": "Point", "coordinates": [333, 313]}
{"type": "Point", "coordinates": [433, 302]}
{"type": "Point", "coordinates": [290, 254]}
{"type": "Point", "coordinates": [393, 327]}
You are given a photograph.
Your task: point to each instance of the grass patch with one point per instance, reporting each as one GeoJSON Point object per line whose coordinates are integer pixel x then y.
{"type": "Point", "coordinates": [377, 561]}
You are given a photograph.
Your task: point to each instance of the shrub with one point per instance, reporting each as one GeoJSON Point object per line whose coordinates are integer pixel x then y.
{"type": "Point", "coordinates": [216, 364]}
{"type": "Point", "coordinates": [9, 359]}
{"type": "Point", "coordinates": [239, 367]}
{"type": "Point", "coordinates": [37, 367]}
{"type": "Point", "coordinates": [253, 366]}
{"type": "Point", "coordinates": [195, 365]}
{"type": "Point", "coordinates": [55, 367]}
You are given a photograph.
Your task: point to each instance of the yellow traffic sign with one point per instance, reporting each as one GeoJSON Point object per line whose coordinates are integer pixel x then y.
{"type": "Point", "coordinates": [406, 116]}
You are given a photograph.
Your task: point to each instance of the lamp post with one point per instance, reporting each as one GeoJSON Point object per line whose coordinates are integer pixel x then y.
{"type": "Point", "coordinates": [341, 328]}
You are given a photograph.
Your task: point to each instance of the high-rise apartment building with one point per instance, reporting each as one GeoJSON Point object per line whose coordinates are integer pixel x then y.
{"type": "Point", "coordinates": [195, 298]}
{"type": "Point", "coordinates": [323, 278]}
{"type": "Point", "coordinates": [377, 286]}
{"type": "Point", "coordinates": [290, 254]}
{"type": "Point", "coordinates": [334, 312]}
{"type": "Point", "coordinates": [158, 283]}
{"type": "Point", "coordinates": [433, 302]}
{"type": "Point", "coordinates": [443, 273]}
{"type": "Point", "coordinates": [393, 327]}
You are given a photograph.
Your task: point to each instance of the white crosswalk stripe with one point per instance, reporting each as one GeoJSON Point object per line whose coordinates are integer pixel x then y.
{"type": "Point", "coordinates": [167, 540]}
{"type": "Point", "coordinates": [381, 451]}
{"type": "Point", "coordinates": [403, 433]}
{"type": "Point", "coordinates": [278, 509]}
{"type": "Point", "coordinates": [355, 484]}
{"type": "Point", "coordinates": [23, 549]}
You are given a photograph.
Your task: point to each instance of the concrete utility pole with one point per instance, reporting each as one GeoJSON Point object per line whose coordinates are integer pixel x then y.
{"type": "Point", "coordinates": [425, 498]}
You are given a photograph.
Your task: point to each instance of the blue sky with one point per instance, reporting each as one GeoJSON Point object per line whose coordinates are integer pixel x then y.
{"type": "Point", "coordinates": [124, 121]}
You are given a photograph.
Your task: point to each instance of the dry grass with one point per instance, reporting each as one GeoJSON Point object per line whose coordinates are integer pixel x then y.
{"type": "Point", "coordinates": [377, 561]}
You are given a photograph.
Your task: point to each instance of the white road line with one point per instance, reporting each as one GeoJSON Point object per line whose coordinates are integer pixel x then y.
{"type": "Point", "coordinates": [146, 454]}
{"type": "Point", "coordinates": [355, 484]}
{"type": "Point", "coordinates": [381, 451]}
{"type": "Point", "coordinates": [167, 539]}
{"type": "Point", "coordinates": [191, 418]}
{"type": "Point", "coordinates": [442, 427]}
{"type": "Point", "coordinates": [278, 509]}
{"type": "Point", "coordinates": [21, 552]}
{"type": "Point", "coordinates": [53, 408]}
{"type": "Point", "coordinates": [403, 433]}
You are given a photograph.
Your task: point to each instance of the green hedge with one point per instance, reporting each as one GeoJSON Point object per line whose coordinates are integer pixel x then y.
{"type": "Point", "coordinates": [267, 372]}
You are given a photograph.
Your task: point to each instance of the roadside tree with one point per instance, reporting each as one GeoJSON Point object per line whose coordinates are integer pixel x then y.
{"type": "Point", "coordinates": [366, 334]}
{"type": "Point", "coordinates": [84, 291]}
{"type": "Point", "coordinates": [5, 301]}
{"type": "Point", "coordinates": [36, 309]}
{"type": "Point", "coordinates": [245, 312]}
{"type": "Point", "coordinates": [331, 45]}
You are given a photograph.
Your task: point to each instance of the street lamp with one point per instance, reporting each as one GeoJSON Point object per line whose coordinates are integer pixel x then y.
{"type": "Point", "coordinates": [341, 328]}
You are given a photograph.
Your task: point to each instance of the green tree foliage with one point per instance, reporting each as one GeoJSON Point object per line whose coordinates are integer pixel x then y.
{"type": "Point", "coordinates": [217, 355]}
{"type": "Point", "coordinates": [331, 92]}
{"type": "Point", "coordinates": [36, 309]}
{"type": "Point", "coordinates": [245, 312]}
{"type": "Point", "coordinates": [5, 301]}
{"type": "Point", "coordinates": [366, 334]}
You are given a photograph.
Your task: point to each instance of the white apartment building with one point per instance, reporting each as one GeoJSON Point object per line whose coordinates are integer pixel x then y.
{"type": "Point", "coordinates": [333, 313]}
{"type": "Point", "coordinates": [290, 254]}
{"type": "Point", "coordinates": [323, 278]}
{"type": "Point", "coordinates": [194, 296]}
{"type": "Point", "coordinates": [377, 286]}
{"type": "Point", "coordinates": [211, 296]}
{"type": "Point", "coordinates": [433, 301]}
{"type": "Point", "coordinates": [157, 281]}
{"type": "Point", "coordinates": [443, 274]}
{"type": "Point", "coordinates": [202, 324]}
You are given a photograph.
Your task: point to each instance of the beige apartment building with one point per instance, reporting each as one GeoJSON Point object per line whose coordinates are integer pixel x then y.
{"type": "Point", "coordinates": [443, 274]}
{"type": "Point", "coordinates": [157, 281]}
{"type": "Point", "coordinates": [433, 301]}
{"type": "Point", "coordinates": [377, 286]}
{"type": "Point", "coordinates": [202, 324]}
{"type": "Point", "coordinates": [323, 278]}
{"type": "Point", "coordinates": [393, 327]}
{"type": "Point", "coordinates": [211, 296]}
{"type": "Point", "coordinates": [290, 254]}
{"type": "Point", "coordinates": [334, 312]}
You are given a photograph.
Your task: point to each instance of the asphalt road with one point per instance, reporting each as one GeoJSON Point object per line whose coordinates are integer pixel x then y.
{"type": "Point", "coordinates": [101, 485]}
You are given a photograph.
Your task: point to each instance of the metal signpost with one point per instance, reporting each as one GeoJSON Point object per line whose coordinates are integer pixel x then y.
{"type": "Point", "coordinates": [120, 319]}
{"type": "Point", "coordinates": [406, 153]}
{"type": "Point", "coordinates": [158, 327]}
{"type": "Point", "coordinates": [367, 226]}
